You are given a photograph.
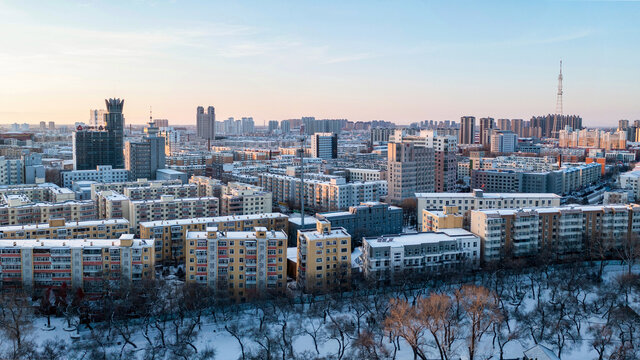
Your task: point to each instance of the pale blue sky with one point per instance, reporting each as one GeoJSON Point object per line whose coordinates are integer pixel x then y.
{"type": "Point", "coordinates": [401, 61]}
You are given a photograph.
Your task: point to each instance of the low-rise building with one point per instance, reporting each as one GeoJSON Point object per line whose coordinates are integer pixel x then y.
{"type": "Point", "coordinates": [20, 210]}
{"type": "Point", "coordinates": [386, 258]}
{"type": "Point", "coordinates": [78, 263]}
{"type": "Point", "coordinates": [559, 231]}
{"type": "Point", "coordinates": [59, 229]}
{"type": "Point", "coordinates": [244, 199]}
{"type": "Point", "coordinates": [120, 186]}
{"type": "Point", "coordinates": [366, 219]}
{"type": "Point", "coordinates": [324, 258]}
{"type": "Point", "coordinates": [169, 207]}
{"type": "Point", "coordinates": [242, 264]}
{"type": "Point", "coordinates": [47, 192]}
{"type": "Point", "coordinates": [207, 186]}
{"type": "Point", "coordinates": [102, 174]}
{"type": "Point", "coordinates": [478, 199]}
{"type": "Point", "coordinates": [448, 218]}
{"type": "Point", "coordinates": [156, 190]}
{"type": "Point", "coordinates": [171, 234]}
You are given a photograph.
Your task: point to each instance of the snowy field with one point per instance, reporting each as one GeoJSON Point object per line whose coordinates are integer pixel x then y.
{"type": "Point", "coordinates": [354, 328]}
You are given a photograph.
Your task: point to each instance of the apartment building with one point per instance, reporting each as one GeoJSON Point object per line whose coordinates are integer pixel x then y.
{"type": "Point", "coordinates": [169, 207]}
{"type": "Point", "coordinates": [322, 195]}
{"type": "Point", "coordinates": [59, 229]}
{"type": "Point", "coordinates": [19, 210]}
{"type": "Point", "coordinates": [37, 193]}
{"type": "Point", "coordinates": [111, 205]}
{"type": "Point", "coordinates": [78, 263]}
{"type": "Point", "coordinates": [171, 234]}
{"type": "Point", "coordinates": [410, 169]}
{"type": "Point", "coordinates": [448, 218]}
{"type": "Point", "coordinates": [512, 233]}
{"type": "Point", "coordinates": [630, 180]}
{"type": "Point", "coordinates": [324, 258]}
{"type": "Point", "coordinates": [569, 178]}
{"type": "Point", "coordinates": [478, 199]}
{"type": "Point", "coordinates": [156, 190]}
{"type": "Point", "coordinates": [244, 199]}
{"type": "Point", "coordinates": [102, 174]}
{"type": "Point", "coordinates": [386, 258]}
{"type": "Point", "coordinates": [120, 186]}
{"type": "Point", "coordinates": [207, 186]}
{"type": "Point", "coordinates": [366, 219]}
{"type": "Point", "coordinates": [354, 174]}
{"type": "Point", "coordinates": [242, 264]}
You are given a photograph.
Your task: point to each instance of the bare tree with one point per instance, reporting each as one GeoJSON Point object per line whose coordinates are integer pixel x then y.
{"type": "Point", "coordinates": [602, 338]}
{"type": "Point", "coordinates": [16, 318]}
{"type": "Point", "coordinates": [480, 310]}
{"type": "Point", "coordinates": [402, 321]}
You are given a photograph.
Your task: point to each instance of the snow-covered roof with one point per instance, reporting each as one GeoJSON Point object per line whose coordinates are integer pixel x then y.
{"type": "Point", "coordinates": [72, 243]}
{"type": "Point", "coordinates": [418, 238]}
{"type": "Point", "coordinates": [540, 352]}
{"type": "Point", "coordinates": [217, 219]}
{"type": "Point", "coordinates": [67, 224]}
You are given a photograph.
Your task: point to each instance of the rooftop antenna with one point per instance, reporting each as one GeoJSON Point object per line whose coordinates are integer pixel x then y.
{"type": "Point", "coordinates": [559, 98]}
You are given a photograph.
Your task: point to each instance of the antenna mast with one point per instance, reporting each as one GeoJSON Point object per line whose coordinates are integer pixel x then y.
{"type": "Point", "coordinates": [559, 98]}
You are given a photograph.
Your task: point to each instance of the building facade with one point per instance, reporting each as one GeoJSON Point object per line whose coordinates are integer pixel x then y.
{"type": "Point", "coordinates": [448, 218]}
{"type": "Point", "coordinates": [240, 264]}
{"type": "Point", "coordinates": [389, 258]}
{"type": "Point", "coordinates": [324, 145]}
{"type": "Point", "coordinates": [171, 234]}
{"type": "Point", "coordinates": [101, 174]}
{"type": "Point", "coordinates": [366, 219]}
{"type": "Point", "coordinates": [81, 263]}
{"type": "Point", "coordinates": [101, 145]}
{"type": "Point", "coordinates": [561, 231]}
{"type": "Point", "coordinates": [206, 123]}
{"type": "Point", "coordinates": [324, 258]}
{"type": "Point", "coordinates": [59, 229]}
{"type": "Point", "coordinates": [410, 169]}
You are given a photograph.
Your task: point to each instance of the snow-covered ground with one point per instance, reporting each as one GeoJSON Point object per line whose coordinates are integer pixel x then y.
{"type": "Point", "coordinates": [342, 317]}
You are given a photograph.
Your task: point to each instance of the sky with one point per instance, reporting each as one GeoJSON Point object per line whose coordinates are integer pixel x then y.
{"type": "Point", "coordinates": [400, 61]}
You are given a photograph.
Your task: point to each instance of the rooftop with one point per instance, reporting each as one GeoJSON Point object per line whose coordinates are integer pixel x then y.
{"type": "Point", "coordinates": [218, 219]}
{"type": "Point", "coordinates": [73, 243]}
{"type": "Point", "coordinates": [67, 224]}
{"type": "Point", "coordinates": [418, 238]}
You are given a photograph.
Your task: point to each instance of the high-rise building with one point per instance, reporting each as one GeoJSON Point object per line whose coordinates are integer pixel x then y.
{"type": "Point", "coordinates": [410, 167]}
{"type": "Point", "coordinates": [504, 142]}
{"type": "Point", "coordinates": [161, 123]}
{"type": "Point", "coordinates": [248, 127]}
{"type": "Point", "coordinates": [503, 124]}
{"type": "Point", "coordinates": [206, 123]}
{"type": "Point", "coordinates": [102, 145]}
{"type": "Point", "coordinates": [324, 145]}
{"type": "Point", "coordinates": [517, 127]}
{"type": "Point", "coordinates": [144, 158]}
{"type": "Point", "coordinates": [487, 125]}
{"type": "Point", "coordinates": [273, 126]}
{"type": "Point", "coordinates": [96, 117]}
{"type": "Point", "coordinates": [467, 129]}
{"type": "Point", "coordinates": [43, 125]}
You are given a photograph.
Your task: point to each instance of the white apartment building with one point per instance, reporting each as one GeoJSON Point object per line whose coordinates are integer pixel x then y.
{"type": "Point", "coordinates": [41, 192]}
{"type": "Point", "coordinates": [323, 195]}
{"type": "Point", "coordinates": [102, 174]}
{"type": "Point", "coordinates": [478, 199]}
{"type": "Point", "coordinates": [169, 207]}
{"type": "Point", "coordinates": [365, 174]}
{"type": "Point", "coordinates": [19, 209]}
{"type": "Point", "coordinates": [120, 186]}
{"type": "Point", "coordinates": [630, 180]}
{"type": "Point", "coordinates": [387, 257]}
{"type": "Point", "coordinates": [244, 199]}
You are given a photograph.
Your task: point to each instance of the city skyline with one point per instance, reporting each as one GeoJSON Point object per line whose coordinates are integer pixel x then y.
{"type": "Point", "coordinates": [360, 61]}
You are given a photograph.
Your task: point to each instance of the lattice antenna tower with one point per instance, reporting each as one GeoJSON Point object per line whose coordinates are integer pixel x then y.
{"type": "Point", "coordinates": [559, 98]}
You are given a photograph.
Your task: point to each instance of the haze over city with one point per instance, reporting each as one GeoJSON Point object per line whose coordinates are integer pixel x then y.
{"type": "Point", "coordinates": [359, 60]}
